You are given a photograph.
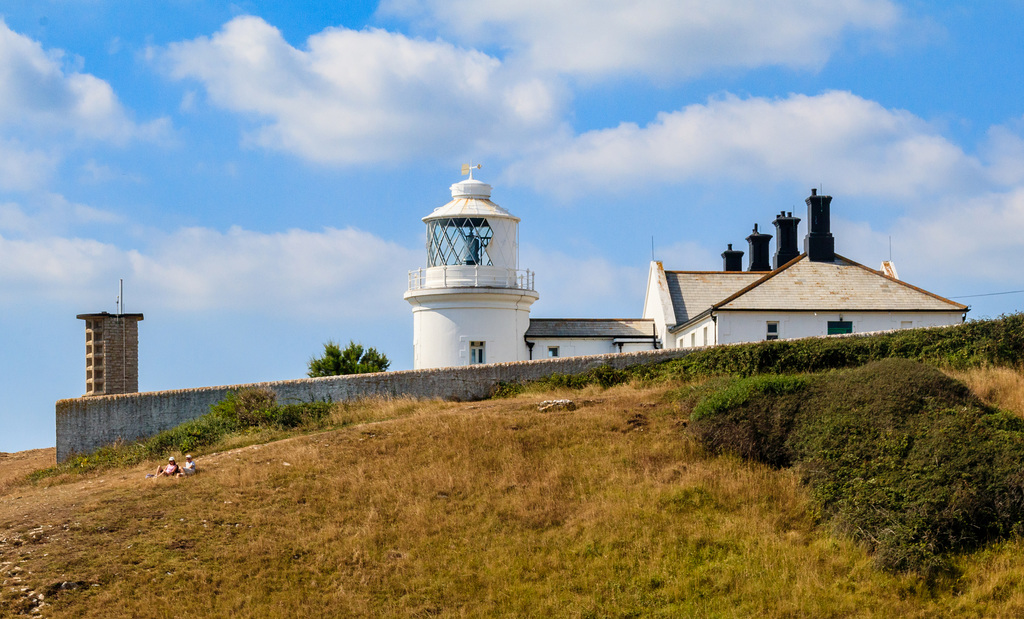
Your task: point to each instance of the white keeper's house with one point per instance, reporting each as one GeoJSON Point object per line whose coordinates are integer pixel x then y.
{"type": "Point", "coordinates": [471, 303]}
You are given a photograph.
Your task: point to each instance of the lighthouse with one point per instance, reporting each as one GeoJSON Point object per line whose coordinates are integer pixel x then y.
{"type": "Point", "coordinates": [471, 303]}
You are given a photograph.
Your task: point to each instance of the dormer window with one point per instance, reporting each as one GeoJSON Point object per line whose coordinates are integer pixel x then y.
{"type": "Point", "coordinates": [458, 241]}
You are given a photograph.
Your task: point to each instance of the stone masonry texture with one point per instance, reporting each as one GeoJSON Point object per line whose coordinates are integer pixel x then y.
{"type": "Point", "coordinates": [88, 423]}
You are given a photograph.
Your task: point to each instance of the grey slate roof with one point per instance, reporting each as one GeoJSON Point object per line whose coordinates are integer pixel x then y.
{"type": "Point", "coordinates": [590, 327]}
{"type": "Point", "coordinates": [842, 285]}
{"type": "Point", "coordinates": [693, 292]}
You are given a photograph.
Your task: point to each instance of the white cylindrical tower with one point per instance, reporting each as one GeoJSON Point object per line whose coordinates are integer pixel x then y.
{"type": "Point", "coordinates": [471, 304]}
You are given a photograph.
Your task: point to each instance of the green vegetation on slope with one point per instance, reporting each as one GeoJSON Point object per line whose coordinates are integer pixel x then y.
{"type": "Point", "coordinates": [478, 509]}
{"type": "Point", "coordinates": [981, 343]}
{"type": "Point", "coordinates": [245, 412]}
{"type": "Point", "coordinates": [896, 454]}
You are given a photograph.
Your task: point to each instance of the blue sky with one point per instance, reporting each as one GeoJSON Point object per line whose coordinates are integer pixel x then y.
{"type": "Point", "coordinates": [256, 171]}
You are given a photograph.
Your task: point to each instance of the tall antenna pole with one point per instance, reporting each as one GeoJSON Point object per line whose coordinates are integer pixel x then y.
{"type": "Point", "coordinates": [652, 248]}
{"type": "Point", "coordinates": [120, 297]}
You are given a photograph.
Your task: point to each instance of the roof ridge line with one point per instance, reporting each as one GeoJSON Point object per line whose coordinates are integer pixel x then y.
{"type": "Point", "coordinates": [755, 284]}
{"type": "Point", "coordinates": [903, 283]}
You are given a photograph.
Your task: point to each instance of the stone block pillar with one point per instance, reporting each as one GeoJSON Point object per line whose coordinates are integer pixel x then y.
{"type": "Point", "coordinates": [111, 353]}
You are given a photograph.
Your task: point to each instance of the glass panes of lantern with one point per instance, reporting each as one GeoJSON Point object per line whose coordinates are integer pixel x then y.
{"type": "Point", "coordinates": [458, 240]}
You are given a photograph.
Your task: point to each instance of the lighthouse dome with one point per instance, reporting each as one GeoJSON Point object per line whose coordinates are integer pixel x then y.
{"type": "Point", "coordinates": [470, 198]}
{"type": "Point", "coordinates": [471, 230]}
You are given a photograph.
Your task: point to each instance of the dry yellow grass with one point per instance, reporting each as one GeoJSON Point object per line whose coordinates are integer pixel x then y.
{"type": "Point", "coordinates": [464, 510]}
{"type": "Point", "coordinates": [15, 466]}
{"type": "Point", "coordinates": [996, 386]}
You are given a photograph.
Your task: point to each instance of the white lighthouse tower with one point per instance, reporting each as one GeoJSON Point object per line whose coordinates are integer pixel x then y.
{"type": "Point", "coordinates": [471, 304]}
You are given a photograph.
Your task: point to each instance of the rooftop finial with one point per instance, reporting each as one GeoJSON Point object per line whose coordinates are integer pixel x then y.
{"type": "Point", "coordinates": [467, 168]}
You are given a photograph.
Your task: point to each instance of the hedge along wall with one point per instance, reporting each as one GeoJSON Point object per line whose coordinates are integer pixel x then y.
{"type": "Point", "coordinates": [85, 424]}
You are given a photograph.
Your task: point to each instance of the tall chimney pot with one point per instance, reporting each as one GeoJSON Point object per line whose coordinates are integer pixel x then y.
{"type": "Point", "coordinates": [786, 243]}
{"type": "Point", "coordinates": [759, 250]}
{"type": "Point", "coordinates": [819, 244]}
{"type": "Point", "coordinates": [732, 259]}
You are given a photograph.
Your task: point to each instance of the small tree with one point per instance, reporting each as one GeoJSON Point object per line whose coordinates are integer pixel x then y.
{"type": "Point", "coordinates": [353, 360]}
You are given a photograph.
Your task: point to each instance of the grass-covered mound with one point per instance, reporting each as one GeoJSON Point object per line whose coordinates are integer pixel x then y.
{"type": "Point", "coordinates": [896, 454]}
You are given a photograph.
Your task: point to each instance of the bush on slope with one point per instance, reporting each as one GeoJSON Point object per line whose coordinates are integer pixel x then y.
{"type": "Point", "coordinates": [897, 455]}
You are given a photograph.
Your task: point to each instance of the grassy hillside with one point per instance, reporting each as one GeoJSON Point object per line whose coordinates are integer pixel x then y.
{"type": "Point", "coordinates": [475, 509]}
{"type": "Point", "coordinates": [404, 508]}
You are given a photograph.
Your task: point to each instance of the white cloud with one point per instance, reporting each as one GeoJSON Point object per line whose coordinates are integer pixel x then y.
{"type": "Point", "coordinates": [364, 96]}
{"type": "Point", "coordinates": [23, 168]}
{"type": "Point", "coordinates": [674, 38]}
{"type": "Point", "coordinates": [38, 92]}
{"type": "Point", "coordinates": [1004, 152]}
{"type": "Point", "coordinates": [851, 145]}
{"type": "Point", "coordinates": [49, 215]}
{"type": "Point", "coordinates": [55, 269]}
{"type": "Point", "coordinates": [590, 287]}
{"type": "Point", "coordinates": [340, 273]}
{"type": "Point", "coordinates": [333, 274]}
{"type": "Point", "coordinates": [972, 240]}
{"type": "Point", "coordinates": [691, 256]}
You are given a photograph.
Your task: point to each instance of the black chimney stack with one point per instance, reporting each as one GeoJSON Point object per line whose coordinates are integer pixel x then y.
{"type": "Point", "coordinates": [733, 259]}
{"type": "Point", "coordinates": [786, 244]}
{"type": "Point", "coordinates": [819, 244]}
{"type": "Point", "coordinates": [759, 250]}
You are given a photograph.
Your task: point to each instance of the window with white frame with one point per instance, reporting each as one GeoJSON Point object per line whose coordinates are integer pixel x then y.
{"type": "Point", "coordinates": [771, 330]}
{"type": "Point", "coordinates": [552, 351]}
{"type": "Point", "coordinates": [476, 353]}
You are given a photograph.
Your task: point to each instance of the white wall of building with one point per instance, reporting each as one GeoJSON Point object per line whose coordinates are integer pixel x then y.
{"type": "Point", "coordinates": [699, 334]}
{"type": "Point", "coordinates": [576, 347]}
{"type": "Point", "coordinates": [658, 301]}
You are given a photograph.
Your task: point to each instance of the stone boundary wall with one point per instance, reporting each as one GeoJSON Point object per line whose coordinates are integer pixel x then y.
{"type": "Point", "coordinates": [88, 423]}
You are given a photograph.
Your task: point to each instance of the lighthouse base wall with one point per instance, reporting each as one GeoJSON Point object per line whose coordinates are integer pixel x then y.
{"type": "Point", "coordinates": [449, 324]}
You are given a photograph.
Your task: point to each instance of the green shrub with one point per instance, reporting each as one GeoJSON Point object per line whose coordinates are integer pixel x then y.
{"type": "Point", "coordinates": [737, 419]}
{"type": "Point", "coordinates": [896, 454]}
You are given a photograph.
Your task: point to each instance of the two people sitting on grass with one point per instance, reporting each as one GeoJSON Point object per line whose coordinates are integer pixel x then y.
{"type": "Point", "coordinates": [174, 470]}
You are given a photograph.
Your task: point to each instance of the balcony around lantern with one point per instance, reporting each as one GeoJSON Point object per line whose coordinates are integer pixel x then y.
{"type": "Point", "coordinates": [470, 276]}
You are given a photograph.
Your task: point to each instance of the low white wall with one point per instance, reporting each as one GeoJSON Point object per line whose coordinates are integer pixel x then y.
{"type": "Point", "coordinates": [85, 424]}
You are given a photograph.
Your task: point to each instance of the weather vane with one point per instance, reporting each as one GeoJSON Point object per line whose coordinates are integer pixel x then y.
{"type": "Point", "coordinates": [467, 168]}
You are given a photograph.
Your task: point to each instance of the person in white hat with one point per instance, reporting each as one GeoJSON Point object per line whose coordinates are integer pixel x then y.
{"type": "Point", "coordinates": [189, 468]}
{"type": "Point", "coordinates": [170, 470]}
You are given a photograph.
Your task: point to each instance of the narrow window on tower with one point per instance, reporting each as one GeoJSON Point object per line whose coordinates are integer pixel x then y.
{"type": "Point", "coordinates": [476, 353]}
